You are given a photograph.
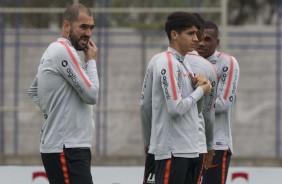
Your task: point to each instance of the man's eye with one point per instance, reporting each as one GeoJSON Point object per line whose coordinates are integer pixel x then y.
{"type": "Point", "coordinates": [208, 39]}
{"type": "Point", "coordinates": [191, 33]}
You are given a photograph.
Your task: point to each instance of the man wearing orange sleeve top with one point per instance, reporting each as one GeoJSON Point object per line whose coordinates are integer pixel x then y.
{"type": "Point", "coordinates": [228, 72]}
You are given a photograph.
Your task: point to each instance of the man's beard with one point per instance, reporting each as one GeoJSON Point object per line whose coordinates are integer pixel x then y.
{"type": "Point", "coordinates": [75, 42]}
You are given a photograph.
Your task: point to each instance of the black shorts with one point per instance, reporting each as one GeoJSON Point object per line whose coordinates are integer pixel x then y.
{"type": "Point", "coordinates": [73, 166]}
{"type": "Point", "coordinates": [149, 172]}
{"type": "Point", "coordinates": [218, 171]}
{"type": "Point", "coordinates": [176, 170]}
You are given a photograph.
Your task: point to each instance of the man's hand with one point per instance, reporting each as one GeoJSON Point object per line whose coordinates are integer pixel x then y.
{"type": "Point", "coordinates": [206, 87]}
{"type": "Point", "coordinates": [90, 52]}
{"type": "Point", "coordinates": [202, 81]}
{"type": "Point", "coordinates": [146, 150]}
{"type": "Point", "coordinates": [208, 159]}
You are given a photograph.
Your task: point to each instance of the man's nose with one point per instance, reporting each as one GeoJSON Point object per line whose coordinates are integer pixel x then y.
{"type": "Point", "coordinates": [88, 32]}
{"type": "Point", "coordinates": [201, 43]}
{"type": "Point", "coordinates": [195, 38]}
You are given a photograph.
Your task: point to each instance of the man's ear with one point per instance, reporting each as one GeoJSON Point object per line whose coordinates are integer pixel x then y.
{"type": "Point", "coordinates": [66, 26]}
{"type": "Point", "coordinates": [218, 41]}
{"type": "Point", "coordinates": [174, 35]}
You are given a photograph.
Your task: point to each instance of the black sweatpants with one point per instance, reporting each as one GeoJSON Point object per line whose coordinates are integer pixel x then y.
{"type": "Point", "coordinates": [218, 171]}
{"type": "Point", "coordinates": [149, 172]}
{"type": "Point", "coordinates": [72, 166]}
{"type": "Point", "coordinates": [176, 170]}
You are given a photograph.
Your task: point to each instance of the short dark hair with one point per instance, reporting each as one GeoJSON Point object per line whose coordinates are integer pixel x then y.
{"type": "Point", "coordinates": [202, 24]}
{"type": "Point", "coordinates": [180, 21]}
{"type": "Point", "coordinates": [200, 19]}
{"type": "Point", "coordinates": [72, 11]}
{"type": "Point", "coordinates": [212, 25]}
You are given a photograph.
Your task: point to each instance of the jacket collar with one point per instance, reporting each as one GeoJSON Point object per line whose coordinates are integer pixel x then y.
{"type": "Point", "coordinates": [65, 41]}
{"type": "Point", "coordinates": [177, 56]}
{"type": "Point", "coordinates": [213, 58]}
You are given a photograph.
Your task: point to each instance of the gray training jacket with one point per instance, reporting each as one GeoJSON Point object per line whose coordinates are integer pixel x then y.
{"type": "Point", "coordinates": [169, 113]}
{"type": "Point", "coordinates": [207, 103]}
{"type": "Point", "coordinates": [228, 72]}
{"type": "Point", "coordinates": [65, 90]}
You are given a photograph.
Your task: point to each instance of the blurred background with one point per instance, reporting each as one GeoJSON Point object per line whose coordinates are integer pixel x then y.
{"type": "Point", "coordinates": [128, 33]}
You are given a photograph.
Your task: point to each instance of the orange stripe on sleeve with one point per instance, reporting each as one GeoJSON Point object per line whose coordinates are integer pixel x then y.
{"type": "Point", "coordinates": [167, 171]}
{"type": "Point", "coordinates": [171, 76]}
{"type": "Point", "coordinates": [64, 167]}
{"type": "Point", "coordinates": [219, 54]}
{"type": "Point", "coordinates": [88, 83]}
{"type": "Point", "coordinates": [229, 78]}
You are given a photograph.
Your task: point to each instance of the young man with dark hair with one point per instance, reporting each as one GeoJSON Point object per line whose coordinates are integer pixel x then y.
{"type": "Point", "coordinates": [65, 88]}
{"type": "Point", "coordinates": [169, 98]}
{"type": "Point", "coordinates": [228, 72]}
